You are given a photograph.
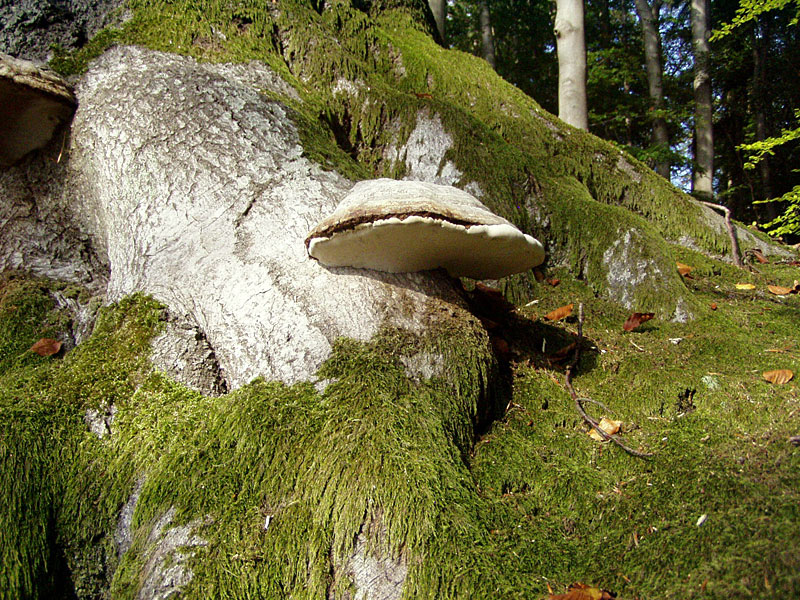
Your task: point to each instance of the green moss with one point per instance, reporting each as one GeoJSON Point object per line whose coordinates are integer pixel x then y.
{"type": "Point", "coordinates": [534, 501]}
{"type": "Point", "coordinates": [47, 460]}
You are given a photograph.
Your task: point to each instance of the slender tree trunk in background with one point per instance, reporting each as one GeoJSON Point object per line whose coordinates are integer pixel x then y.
{"type": "Point", "coordinates": [571, 49]}
{"type": "Point", "coordinates": [648, 17]}
{"type": "Point", "coordinates": [439, 10]}
{"type": "Point", "coordinates": [628, 121]}
{"type": "Point", "coordinates": [487, 36]}
{"type": "Point", "coordinates": [703, 176]}
{"type": "Point", "coordinates": [605, 23]}
{"type": "Point", "coordinates": [759, 102]}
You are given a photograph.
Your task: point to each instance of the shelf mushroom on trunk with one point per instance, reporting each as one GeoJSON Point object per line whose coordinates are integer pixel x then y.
{"type": "Point", "coordinates": [406, 226]}
{"type": "Point", "coordinates": [33, 103]}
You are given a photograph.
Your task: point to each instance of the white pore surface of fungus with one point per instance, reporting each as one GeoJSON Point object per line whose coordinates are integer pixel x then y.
{"type": "Point", "coordinates": [373, 229]}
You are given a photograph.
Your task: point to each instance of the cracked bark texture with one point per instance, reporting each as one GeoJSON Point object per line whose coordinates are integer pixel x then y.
{"type": "Point", "coordinates": [195, 187]}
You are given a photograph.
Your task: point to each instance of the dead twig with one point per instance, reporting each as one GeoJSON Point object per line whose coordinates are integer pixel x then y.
{"type": "Point", "coordinates": [579, 401]}
{"type": "Point", "coordinates": [735, 252]}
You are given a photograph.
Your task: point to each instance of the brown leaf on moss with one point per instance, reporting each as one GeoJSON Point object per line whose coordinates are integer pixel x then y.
{"type": "Point", "coordinates": [779, 376]}
{"type": "Point", "coordinates": [559, 313]}
{"type": "Point", "coordinates": [46, 347]}
{"type": "Point", "coordinates": [581, 591]}
{"type": "Point", "coordinates": [713, 306]}
{"type": "Point", "coordinates": [759, 256]}
{"type": "Point", "coordinates": [636, 319]}
{"type": "Point", "coordinates": [424, 95]}
{"type": "Point", "coordinates": [684, 269]}
{"type": "Point", "coordinates": [779, 290]}
{"type": "Point", "coordinates": [745, 286]}
{"type": "Point", "coordinates": [554, 282]}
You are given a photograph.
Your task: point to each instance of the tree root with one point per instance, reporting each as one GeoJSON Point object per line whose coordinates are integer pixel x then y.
{"type": "Point", "coordinates": [735, 252]}
{"type": "Point", "coordinates": [579, 401]}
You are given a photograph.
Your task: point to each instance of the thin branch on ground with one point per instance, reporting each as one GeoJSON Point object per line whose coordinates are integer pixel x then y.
{"type": "Point", "coordinates": [579, 401]}
{"type": "Point", "coordinates": [735, 252]}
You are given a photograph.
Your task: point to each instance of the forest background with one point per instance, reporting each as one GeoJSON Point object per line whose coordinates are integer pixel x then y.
{"type": "Point", "coordinates": [753, 67]}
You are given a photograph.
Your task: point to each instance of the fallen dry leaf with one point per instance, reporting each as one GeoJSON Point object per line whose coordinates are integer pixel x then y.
{"type": "Point", "coordinates": [684, 269]}
{"type": "Point", "coordinates": [559, 313]}
{"type": "Point", "coordinates": [46, 347]}
{"type": "Point", "coordinates": [581, 591]}
{"type": "Point", "coordinates": [759, 256]}
{"type": "Point", "coordinates": [713, 306]}
{"type": "Point", "coordinates": [779, 376]}
{"type": "Point", "coordinates": [779, 290]}
{"type": "Point", "coordinates": [607, 425]}
{"type": "Point", "coordinates": [636, 319]}
{"type": "Point", "coordinates": [554, 282]}
{"type": "Point", "coordinates": [745, 286]}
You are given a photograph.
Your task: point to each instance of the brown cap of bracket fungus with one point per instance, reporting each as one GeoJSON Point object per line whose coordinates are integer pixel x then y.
{"type": "Point", "coordinates": [406, 226]}
{"type": "Point", "coordinates": [33, 102]}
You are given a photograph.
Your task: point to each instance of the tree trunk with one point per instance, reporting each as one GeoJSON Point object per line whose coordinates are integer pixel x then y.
{"type": "Point", "coordinates": [759, 103]}
{"type": "Point", "coordinates": [439, 10]}
{"type": "Point", "coordinates": [571, 48]}
{"type": "Point", "coordinates": [703, 177]}
{"type": "Point", "coordinates": [487, 35]}
{"type": "Point", "coordinates": [648, 17]}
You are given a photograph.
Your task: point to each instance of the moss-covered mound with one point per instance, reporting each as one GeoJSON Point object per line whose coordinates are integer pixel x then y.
{"type": "Point", "coordinates": [380, 98]}
{"type": "Point", "coordinates": [269, 491]}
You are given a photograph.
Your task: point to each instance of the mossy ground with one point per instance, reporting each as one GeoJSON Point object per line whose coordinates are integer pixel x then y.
{"type": "Point", "coordinates": [533, 501]}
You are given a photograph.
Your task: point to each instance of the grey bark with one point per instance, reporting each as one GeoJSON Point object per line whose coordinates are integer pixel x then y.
{"type": "Point", "coordinates": [703, 177]}
{"type": "Point", "coordinates": [571, 48]}
{"type": "Point", "coordinates": [648, 18]}
{"type": "Point", "coordinates": [439, 10]}
{"type": "Point", "coordinates": [487, 35]}
{"type": "Point", "coordinates": [191, 186]}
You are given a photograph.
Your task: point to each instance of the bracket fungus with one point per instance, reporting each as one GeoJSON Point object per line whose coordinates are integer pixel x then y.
{"type": "Point", "coordinates": [406, 226]}
{"type": "Point", "coordinates": [33, 103]}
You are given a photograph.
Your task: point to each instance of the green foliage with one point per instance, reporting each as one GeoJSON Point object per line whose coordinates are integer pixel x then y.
{"type": "Point", "coordinates": [787, 223]}
{"type": "Point", "coordinates": [750, 10]}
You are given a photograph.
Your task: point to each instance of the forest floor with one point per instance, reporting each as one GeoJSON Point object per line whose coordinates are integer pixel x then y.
{"type": "Point", "coordinates": [535, 506]}
{"type": "Point", "coordinates": [715, 511]}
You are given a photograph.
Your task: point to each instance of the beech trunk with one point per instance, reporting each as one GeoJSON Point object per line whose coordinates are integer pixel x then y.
{"type": "Point", "coordinates": [648, 17]}
{"type": "Point", "coordinates": [487, 35]}
{"type": "Point", "coordinates": [571, 48]}
{"type": "Point", "coordinates": [439, 10]}
{"type": "Point", "coordinates": [703, 178]}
